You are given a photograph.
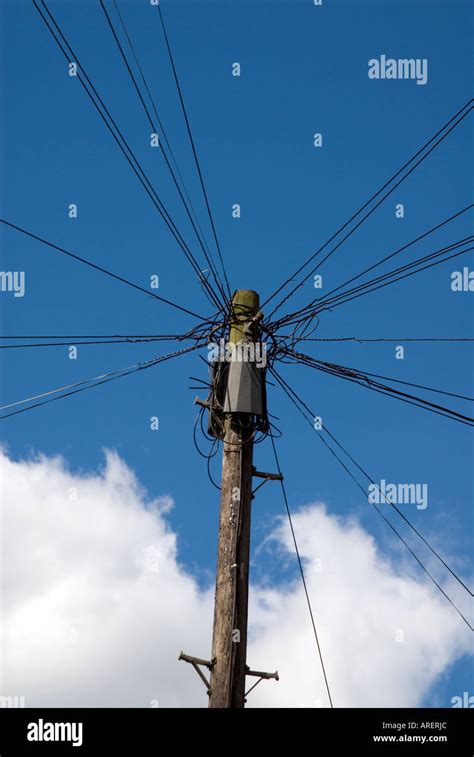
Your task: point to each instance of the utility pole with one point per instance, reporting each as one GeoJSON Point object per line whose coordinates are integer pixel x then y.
{"type": "Point", "coordinates": [229, 645]}
{"type": "Point", "coordinates": [237, 408]}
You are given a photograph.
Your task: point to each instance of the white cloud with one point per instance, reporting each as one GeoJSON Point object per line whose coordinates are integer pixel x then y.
{"type": "Point", "coordinates": [385, 635]}
{"type": "Point", "coordinates": [96, 605]}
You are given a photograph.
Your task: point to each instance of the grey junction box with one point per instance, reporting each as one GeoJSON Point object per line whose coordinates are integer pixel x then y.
{"type": "Point", "coordinates": [244, 393]}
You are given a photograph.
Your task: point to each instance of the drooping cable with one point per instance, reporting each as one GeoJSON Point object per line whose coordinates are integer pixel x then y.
{"type": "Point", "coordinates": [303, 409]}
{"type": "Point", "coordinates": [89, 383]}
{"type": "Point", "coordinates": [300, 565]}
{"type": "Point", "coordinates": [364, 380]}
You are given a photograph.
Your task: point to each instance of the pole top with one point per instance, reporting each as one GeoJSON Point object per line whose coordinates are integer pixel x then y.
{"type": "Point", "coordinates": [247, 297]}
{"type": "Point", "coordinates": [246, 303]}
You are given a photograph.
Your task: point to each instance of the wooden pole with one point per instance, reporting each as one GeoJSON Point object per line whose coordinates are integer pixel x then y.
{"type": "Point", "coordinates": [229, 644]}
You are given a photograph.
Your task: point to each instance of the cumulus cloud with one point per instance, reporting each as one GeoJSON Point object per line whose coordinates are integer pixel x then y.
{"type": "Point", "coordinates": [385, 634]}
{"type": "Point", "coordinates": [96, 603]}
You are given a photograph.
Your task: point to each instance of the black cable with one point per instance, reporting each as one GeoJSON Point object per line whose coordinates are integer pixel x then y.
{"type": "Point", "coordinates": [397, 252]}
{"type": "Point", "coordinates": [300, 565]}
{"type": "Point", "coordinates": [401, 269]}
{"type": "Point", "coordinates": [209, 474]}
{"type": "Point", "coordinates": [154, 129]}
{"type": "Point", "coordinates": [196, 421]}
{"type": "Point", "coordinates": [205, 384]}
{"type": "Point", "coordinates": [288, 389]}
{"type": "Point", "coordinates": [150, 189]}
{"type": "Point", "coordinates": [133, 161]}
{"type": "Point", "coordinates": [140, 69]}
{"type": "Point", "coordinates": [124, 337]}
{"type": "Point", "coordinates": [102, 270]}
{"type": "Point", "coordinates": [411, 399]}
{"type": "Point", "coordinates": [75, 343]}
{"type": "Point", "coordinates": [188, 127]}
{"type": "Point", "coordinates": [289, 392]}
{"type": "Point", "coordinates": [327, 303]}
{"type": "Point", "coordinates": [363, 374]}
{"type": "Point", "coordinates": [108, 377]}
{"type": "Point", "coordinates": [391, 277]}
{"type": "Point", "coordinates": [378, 339]}
{"type": "Point", "coordinates": [78, 343]}
{"type": "Point", "coordinates": [365, 291]}
{"type": "Point", "coordinates": [388, 257]}
{"type": "Point", "coordinates": [421, 150]}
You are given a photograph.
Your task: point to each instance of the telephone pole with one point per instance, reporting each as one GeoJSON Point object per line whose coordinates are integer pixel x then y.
{"type": "Point", "coordinates": [237, 409]}
{"type": "Point", "coordinates": [229, 645]}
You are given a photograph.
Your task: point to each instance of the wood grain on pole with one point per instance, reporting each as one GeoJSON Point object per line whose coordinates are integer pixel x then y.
{"type": "Point", "coordinates": [229, 646]}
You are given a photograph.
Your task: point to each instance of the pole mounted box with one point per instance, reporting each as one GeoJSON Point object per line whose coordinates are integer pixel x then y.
{"type": "Point", "coordinates": [244, 393]}
{"type": "Point", "coordinates": [238, 376]}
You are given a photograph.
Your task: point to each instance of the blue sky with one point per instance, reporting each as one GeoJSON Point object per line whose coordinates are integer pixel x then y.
{"type": "Point", "coordinates": [304, 70]}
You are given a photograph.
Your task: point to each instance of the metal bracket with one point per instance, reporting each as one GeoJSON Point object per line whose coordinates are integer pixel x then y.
{"type": "Point", "coordinates": [196, 662]}
{"type": "Point", "coordinates": [202, 403]}
{"type": "Point", "coordinates": [266, 477]}
{"type": "Point", "coordinates": [261, 677]}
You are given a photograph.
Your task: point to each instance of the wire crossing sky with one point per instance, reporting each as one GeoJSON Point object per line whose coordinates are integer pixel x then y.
{"type": "Point", "coordinates": [239, 166]}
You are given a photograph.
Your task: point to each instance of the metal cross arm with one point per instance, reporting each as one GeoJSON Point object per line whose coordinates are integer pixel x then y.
{"type": "Point", "coordinates": [196, 662]}
{"type": "Point", "coordinates": [266, 477]}
{"type": "Point", "coordinates": [261, 677]}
